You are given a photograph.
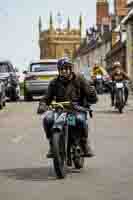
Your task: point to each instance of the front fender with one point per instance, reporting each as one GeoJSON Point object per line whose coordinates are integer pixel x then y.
{"type": "Point", "coordinates": [59, 122]}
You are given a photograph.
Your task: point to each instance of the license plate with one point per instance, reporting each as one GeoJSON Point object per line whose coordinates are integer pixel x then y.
{"type": "Point", "coordinates": [71, 120]}
{"type": "Point", "coordinates": [98, 76]}
{"type": "Point", "coordinates": [119, 85]}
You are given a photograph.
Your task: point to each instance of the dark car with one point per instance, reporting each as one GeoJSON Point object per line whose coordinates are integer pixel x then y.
{"type": "Point", "coordinates": [9, 77]}
{"type": "Point", "coordinates": [2, 95]}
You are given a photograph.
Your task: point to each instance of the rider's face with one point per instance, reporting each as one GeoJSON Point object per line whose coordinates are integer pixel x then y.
{"type": "Point", "coordinates": [65, 72]}
{"type": "Point", "coordinates": [96, 66]}
{"type": "Point", "coordinates": [118, 70]}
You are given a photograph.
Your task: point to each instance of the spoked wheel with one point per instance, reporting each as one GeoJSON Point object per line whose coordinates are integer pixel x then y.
{"type": "Point", "coordinates": [59, 154]}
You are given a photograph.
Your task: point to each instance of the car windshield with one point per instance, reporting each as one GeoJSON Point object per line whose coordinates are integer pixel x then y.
{"type": "Point", "coordinates": [3, 68]}
{"type": "Point", "coordinates": [42, 67]}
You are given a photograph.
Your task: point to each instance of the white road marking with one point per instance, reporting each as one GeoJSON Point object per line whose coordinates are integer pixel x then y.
{"type": "Point", "coordinates": [17, 139]}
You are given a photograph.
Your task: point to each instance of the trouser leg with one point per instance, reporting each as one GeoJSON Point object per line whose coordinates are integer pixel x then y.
{"type": "Point", "coordinates": [126, 93]}
{"type": "Point", "coordinates": [47, 125]}
{"type": "Point", "coordinates": [112, 95]}
{"type": "Point", "coordinates": [83, 130]}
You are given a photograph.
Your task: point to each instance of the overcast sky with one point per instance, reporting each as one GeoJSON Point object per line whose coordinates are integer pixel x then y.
{"type": "Point", "coordinates": [19, 24]}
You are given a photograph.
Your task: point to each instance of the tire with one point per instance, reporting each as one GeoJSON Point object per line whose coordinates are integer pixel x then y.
{"type": "Point", "coordinates": [99, 87]}
{"type": "Point", "coordinates": [78, 161]}
{"type": "Point", "coordinates": [120, 101]}
{"type": "Point", "coordinates": [27, 96]}
{"type": "Point", "coordinates": [12, 94]}
{"type": "Point", "coordinates": [4, 103]}
{"type": "Point", "coordinates": [1, 106]}
{"type": "Point", "coordinates": [58, 147]}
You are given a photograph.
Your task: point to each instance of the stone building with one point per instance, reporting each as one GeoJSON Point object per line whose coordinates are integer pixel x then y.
{"type": "Point", "coordinates": [96, 50]}
{"type": "Point", "coordinates": [59, 42]}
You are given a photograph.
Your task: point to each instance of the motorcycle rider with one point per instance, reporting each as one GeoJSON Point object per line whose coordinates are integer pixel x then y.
{"type": "Point", "coordinates": [68, 87]}
{"type": "Point", "coordinates": [98, 70]}
{"type": "Point", "coordinates": [118, 75]}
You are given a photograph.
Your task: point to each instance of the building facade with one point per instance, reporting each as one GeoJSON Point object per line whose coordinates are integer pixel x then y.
{"type": "Point", "coordinates": [120, 7]}
{"type": "Point", "coordinates": [103, 18]}
{"type": "Point", "coordinates": [128, 22]}
{"type": "Point", "coordinates": [59, 42]}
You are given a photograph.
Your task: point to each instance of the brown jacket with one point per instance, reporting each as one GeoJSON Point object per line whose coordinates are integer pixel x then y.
{"type": "Point", "coordinates": [75, 89]}
{"type": "Point", "coordinates": [121, 76]}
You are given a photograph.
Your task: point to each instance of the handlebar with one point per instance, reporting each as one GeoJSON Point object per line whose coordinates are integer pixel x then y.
{"type": "Point", "coordinates": [55, 104]}
{"type": "Point", "coordinates": [61, 105]}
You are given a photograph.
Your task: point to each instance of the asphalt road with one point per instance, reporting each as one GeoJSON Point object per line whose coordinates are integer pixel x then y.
{"type": "Point", "coordinates": [25, 173]}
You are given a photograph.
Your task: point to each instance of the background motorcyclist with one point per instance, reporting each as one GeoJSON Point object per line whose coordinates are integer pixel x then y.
{"type": "Point", "coordinates": [72, 87]}
{"type": "Point", "coordinates": [118, 75]}
{"type": "Point", "coordinates": [97, 70]}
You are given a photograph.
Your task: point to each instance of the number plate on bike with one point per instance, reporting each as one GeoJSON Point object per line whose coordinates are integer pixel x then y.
{"type": "Point", "coordinates": [119, 85]}
{"type": "Point", "coordinates": [71, 120]}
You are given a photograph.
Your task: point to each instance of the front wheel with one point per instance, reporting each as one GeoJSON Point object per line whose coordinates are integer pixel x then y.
{"type": "Point", "coordinates": [120, 101]}
{"type": "Point", "coordinates": [58, 146]}
{"type": "Point", "coordinates": [99, 87]}
{"type": "Point", "coordinates": [78, 160]}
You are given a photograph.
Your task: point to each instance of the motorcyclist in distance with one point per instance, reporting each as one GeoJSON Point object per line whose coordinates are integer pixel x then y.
{"type": "Point", "coordinates": [68, 86]}
{"type": "Point", "coordinates": [118, 75]}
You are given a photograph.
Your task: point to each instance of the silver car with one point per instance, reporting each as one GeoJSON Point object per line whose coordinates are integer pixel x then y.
{"type": "Point", "coordinates": [37, 78]}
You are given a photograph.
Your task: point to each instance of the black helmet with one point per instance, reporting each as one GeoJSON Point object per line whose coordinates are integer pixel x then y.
{"type": "Point", "coordinates": [64, 62]}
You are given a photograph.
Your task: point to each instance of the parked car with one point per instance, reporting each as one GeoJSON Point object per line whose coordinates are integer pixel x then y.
{"type": "Point", "coordinates": [2, 95]}
{"type": "Point", "coordinates": [8, 75]}
{"type": "Point", "coordinates": [38, 76]}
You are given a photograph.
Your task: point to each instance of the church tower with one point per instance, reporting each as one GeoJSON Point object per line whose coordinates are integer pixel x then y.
{"type": "Point", "coordinates": [102, 13]}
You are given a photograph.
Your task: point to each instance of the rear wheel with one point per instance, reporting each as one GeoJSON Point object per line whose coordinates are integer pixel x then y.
{"type": "Point", "coordinates": [58, 146]}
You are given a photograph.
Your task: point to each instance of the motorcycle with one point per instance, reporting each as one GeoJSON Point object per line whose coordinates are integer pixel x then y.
{"type": "Point", "coordinates": [66, 145]}
{"type": "Point", "coordinates": [119, 95]}
{"type": "Point", "coordinates": [12, 88]}
{"type": "Point", "coordinates": [98, 80]}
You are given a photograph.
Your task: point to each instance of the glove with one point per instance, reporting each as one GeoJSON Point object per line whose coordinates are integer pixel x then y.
{"type": "Point", "coordinates": [42, 108]}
